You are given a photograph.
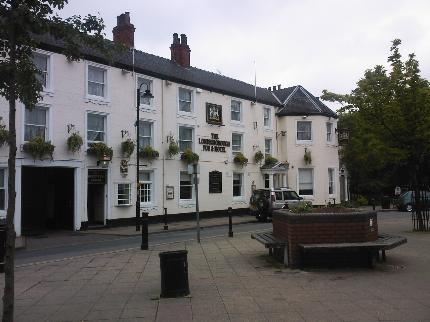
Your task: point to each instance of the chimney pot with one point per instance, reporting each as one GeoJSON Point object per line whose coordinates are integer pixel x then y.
{"type": "Point", "coordinates": [183, 39]}
{"type": "Point", "coordinates": [274, 88]}
{"type": "Point", "coordinates": [123, 32]}
{"type": "Point", "coordinates": [269, 88]}
{"type": "Point", "coordinates": [175, 39]}
{"type": "Point", "coordinates": [279, 87]}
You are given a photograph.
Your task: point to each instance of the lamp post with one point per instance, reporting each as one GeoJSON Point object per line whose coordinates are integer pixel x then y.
{"type": "Point", "coordinates": [147, 94]}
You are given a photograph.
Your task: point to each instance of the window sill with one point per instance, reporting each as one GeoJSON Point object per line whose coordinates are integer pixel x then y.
{"type": "Point", "coordinates": [187, 204]}
{"type": "Point", "coordinates": [238, 200]}
{"type": "Point", "coordinates": [304, 142]}
{"type": "Point", "coordinates": [237, 124]}
{"type": "Point", "coordinates": [48, 92]}
{"type": "Point", "coordinates": [97, 100]}
{"type": "Point", "coordinates": [268, 129]}
{"type": "Point", "coordinates": [128, 205]}
{"type": "Point", "coordinates": [186, 115]}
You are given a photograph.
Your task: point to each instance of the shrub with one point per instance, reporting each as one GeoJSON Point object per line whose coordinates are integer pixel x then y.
{"type": "Point", "coordinates": [240, 159]}
{"type": "Point", "coordinates": [270, 160]}
{"type": "Point", "coordinates": [258, 157]}
{"type": "Point", "coordinates": [38, 148]}
{"type": "Point", "coordinates": [127, 148]}
{"type": "Point", "coordinates": [189, 156]}
{"type": "Point", "coordinates": [300, 207]}
{"type": "Point", "coordinates": [361, 201]}
{"type": "Point", "coordinates": [4, 135]}
{"type": "Point", "coordinates": [173, 149]}
{"type": "Point", "coordinates": [100, 150]}
{"type": "Point", "coordinates": [74, 142]}
{"type": "Point", "coordinates": [148, 153]}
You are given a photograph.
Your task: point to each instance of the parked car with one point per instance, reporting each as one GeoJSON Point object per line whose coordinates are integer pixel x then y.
{"type": "Point", "coordinates": [264, 201]}
{"type": "Point", "coordinates": [405, 202]}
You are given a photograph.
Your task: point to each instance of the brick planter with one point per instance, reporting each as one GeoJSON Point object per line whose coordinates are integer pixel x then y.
{"type": "Point", "coordinates": [316, 228]}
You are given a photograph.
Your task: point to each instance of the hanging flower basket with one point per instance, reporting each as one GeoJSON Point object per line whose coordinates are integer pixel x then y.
{"type": "Point", "coordinates": [74, 142]}
{"type": "Point", "coordinates": [4, 135]}
{"type": "Point", "coordinates": [240, 159]}
{"type": "Point", "coordinates": [307, 157]}
{"type": "Point", "coordinates": [189, 156]}
{"type": "Point", "coordinates": [38, 148]}
{"type": "Point", "coordinates": [270, 161]}
{"type": "Point", "coordinates": [101, 151]}
{"type": "Point", "coordinates": [149, 153]}
{"type": "Point", "coordinates": [258, 157]}
{"type": "Point", "coordinates": [127, 147]}
{"type": "Point", "coordinates": [173, 149]}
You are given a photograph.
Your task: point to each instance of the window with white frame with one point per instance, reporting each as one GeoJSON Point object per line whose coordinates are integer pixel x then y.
{"type": "Point", "coordinates": [267, 119]}
{"type": "Point", "coordinates": [36, 123]}
{"type": "Point", "coordinates": [185, 100]}
{"type": "Point", "coordinates": [2, 189]}
{"type": "Point", "coordinates": [97, 79]}
{"type": "Point", "coordinates": [236, 142]}
{"type": "Point", "coordinates": [146, 187]}
{"type": "Point", "coordinates": [185, 186]}
{"type": "Point", "coordinates": [96, 128]}
{"type": "Point", "coordinates": [304, 130]}
{"type": "Point", "coordinates": [237, 184]}
{"type": "Point", "coordinates": [236, 111]}
{"type": "Point", "coordinates": [144, 101]}
{"type": "Point", "coordinates": [124, 194]}
{"type": "Point", "coordinates": [306, 182]}
{"type": "Point", "coordinates": [329, 127]}
{"type": "Point", "coordinates": [267, 147]}
{"type": "Point", "coordinates": [331, 190]}
{"type": "Point", "coordinates": [41, 62]}
{"type": "Point", "coordinates": [145, 134]}
{"type": "Point", "coordinates": [186, 134]}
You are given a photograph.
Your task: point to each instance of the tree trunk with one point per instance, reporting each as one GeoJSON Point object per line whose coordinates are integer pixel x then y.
{"type": "Point", "coordinates": [9, 288]}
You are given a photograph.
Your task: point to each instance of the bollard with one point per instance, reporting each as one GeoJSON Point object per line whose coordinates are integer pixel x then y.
{"type": "Point", "coordinates": [138, 221]}
{"type": "Point", "coordinates": [165, 220]}
{"type": "Point", "coordinates": [144, 244]}
{"type": "Point", "coordinates": [373, 203]}
{"type": "Point", "coordinates": [230, 223]}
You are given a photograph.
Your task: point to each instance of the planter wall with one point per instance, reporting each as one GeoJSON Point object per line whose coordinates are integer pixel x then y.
{"type": "Point", "coordinates": [315, 228]}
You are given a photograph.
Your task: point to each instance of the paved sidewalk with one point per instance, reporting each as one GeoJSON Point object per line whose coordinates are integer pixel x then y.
{"type": "Point", "coordinates": [231, 279]}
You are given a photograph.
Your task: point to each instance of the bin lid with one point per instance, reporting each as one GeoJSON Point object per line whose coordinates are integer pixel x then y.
{"type": "Point", "coordinates": [173, 253]}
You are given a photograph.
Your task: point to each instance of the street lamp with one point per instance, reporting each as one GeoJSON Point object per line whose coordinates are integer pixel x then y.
{"type": "Point", "coordinates": [147, 94]}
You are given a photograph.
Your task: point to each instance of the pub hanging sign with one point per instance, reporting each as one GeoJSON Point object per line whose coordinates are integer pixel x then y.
{"type": "Point", "coordinates": [213, 114]}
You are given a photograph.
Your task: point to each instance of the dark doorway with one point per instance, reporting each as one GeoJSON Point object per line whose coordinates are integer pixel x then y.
{"type": "Point", "coordinates": [47, 199]}
{"type": "Point", "coordinates": [96, 196]}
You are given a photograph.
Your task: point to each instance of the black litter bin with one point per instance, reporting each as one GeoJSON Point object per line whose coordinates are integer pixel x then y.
{"type": "Point", "coordinates": [174, 273]}
{"type": "Point", "coordinates": [2, 246]}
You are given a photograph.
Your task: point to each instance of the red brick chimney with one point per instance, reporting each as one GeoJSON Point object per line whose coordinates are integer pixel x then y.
{"type": "Point", "coordinates": [180, 51]}
{"type": "Point", "coordinates": [123, 32]}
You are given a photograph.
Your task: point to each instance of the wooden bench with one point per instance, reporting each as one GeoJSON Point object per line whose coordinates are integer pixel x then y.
{"type": "Point", "coordinates": [271, 242]}
{"type": "Point", "coordinates": [383, 243]}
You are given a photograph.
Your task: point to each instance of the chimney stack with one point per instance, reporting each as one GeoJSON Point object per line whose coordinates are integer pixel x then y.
{"type": "Point", "coordinates": [180, 51]}
{"type": "Point", "coordinates": [123, 32]}
{"type": "Point", "coordinates": [279, 87]}
{"type": "Point", "coordinates": [274, 88]}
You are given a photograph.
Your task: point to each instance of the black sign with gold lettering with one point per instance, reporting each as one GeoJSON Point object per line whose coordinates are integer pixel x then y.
{"type": "Point", "coordinates": [213, 114]}
{"type": "Point", "coordinates": [215, 182]}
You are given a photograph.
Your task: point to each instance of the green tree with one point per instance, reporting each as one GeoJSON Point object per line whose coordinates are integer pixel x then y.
{"type": "Point", "coordinates": [22, 23]}
{"type": "Point", "coordinates": [388, 114]}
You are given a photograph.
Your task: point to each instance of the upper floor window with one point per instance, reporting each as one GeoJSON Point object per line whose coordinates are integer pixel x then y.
{"type": "Point", "coordinates": [304, 131]}
{"type": "Point", "coordinates": [96, 128]}
{"type": "Point", "coordinates": [147, 85]}
{"type": "Point", "coordinates": [145, 134]}
{"type": "Point", "coordinates": [97, 81]}
{"type": "Point", "coordinates": [186, 134]}
{"type": "Point", "coordinates": [331, 181]}
{"type": "Point", "coordinates": [306, 182]}
{"type": "Point", "coordinates": [185, 100]}
{"type": "Point", "coordinates": [42, 64]}
{"type": "Point", "coordinates": [124, 194]}
{"type": "Point", "coordinates": [267, 147]}
{"type": "Point", "coordinates": [267, 120]}
{"type": "Point", "coordinates": [329, 127]}
{"type": "Point", "coordinates": [236, 111]}
{"type": "Point", "coordinates": [36, 123]}
{"type": "Point", "coordinates": [236, 142]}
{"type": "Point", "coordinates": [2, 190]}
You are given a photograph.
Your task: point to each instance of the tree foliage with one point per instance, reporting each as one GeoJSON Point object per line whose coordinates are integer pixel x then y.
{"type": "Point", "coordinates": [388, 115]}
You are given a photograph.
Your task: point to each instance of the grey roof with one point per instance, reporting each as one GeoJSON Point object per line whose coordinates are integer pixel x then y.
{"type": "Point", "coordinates": [163, 68]}
{"type": "Point", "coordinates": [297, 100]}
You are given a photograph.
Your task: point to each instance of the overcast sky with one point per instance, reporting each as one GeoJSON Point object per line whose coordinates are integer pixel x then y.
{"type": "Point", "coordinates": [317, 44]}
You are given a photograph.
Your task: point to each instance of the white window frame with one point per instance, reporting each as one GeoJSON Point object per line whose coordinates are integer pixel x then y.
{"type": "Point", "coordinates": [269, 126]}
{"type": "Point", "coordinates": [242, 186]}
{"type": "Point", "coordinates": [130, 202]}
{"type": "Point", "coordinates": [48, 88]}
{"type": "Point", "coordinates": [191, 112]}
{"type": "Point", "coordinates": [144, 106]}
{"type": "Point", "coordinates": [333, 182]}
{"type": "Point", "coordinates": [234, 152]}
{"type": "Point", "coordinates": [192, 136]}
{"type": "Point", "coordinates": [105, 116]}
{"type": "Point", "coordinates": [47, 108]}
{"type": "Point", "coordinates": [240, 121]}
{"type": "Point", "coordinates": [152, 130]}
{"type": "Point", "coordinates": [329, 133]}
{"type": "Point", "coordinates": [152, 188]}
{"type": "Point", "coordinates": [304, 141]}
{"type": "Point", "coordinates": [193, 195]}
{"type": "Point", "coordinates": [5, 176]}
{"type": "Point", "coordinates": [270, 147]}
{"type": "Point", "coordinates": [313, 183]}
{"type": "Point", "coordinates": [104, 98]}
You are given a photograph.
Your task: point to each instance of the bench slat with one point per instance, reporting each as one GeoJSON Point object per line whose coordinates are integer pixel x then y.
{"type": "Point", "coordinates": [268, 240]}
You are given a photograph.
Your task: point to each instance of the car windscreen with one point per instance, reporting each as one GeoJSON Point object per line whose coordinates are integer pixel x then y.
{"type": "Point", "coordinates": [290, 195]}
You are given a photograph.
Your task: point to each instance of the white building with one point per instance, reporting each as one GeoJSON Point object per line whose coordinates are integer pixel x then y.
{"type": "Point", "coordinates": [97, 99]}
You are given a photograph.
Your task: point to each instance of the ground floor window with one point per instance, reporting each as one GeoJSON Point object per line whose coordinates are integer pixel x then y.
{"type": "Point", "coordinates": [331, 181]}
{"type": "Point", "coordinates": [146, 187]}
{"type": "Point", "coordinates": [2, 189]}
{"type": "Point", "coordinates": [124, 194]}
{"type": "Point", "coordinates": [185, 186]}
{"type": "Point", "coordinates": [306, 182]}
{"type": "Point", "coordinates": [237, 184]}
{"type": "Point", "coordinates": [266, 181]}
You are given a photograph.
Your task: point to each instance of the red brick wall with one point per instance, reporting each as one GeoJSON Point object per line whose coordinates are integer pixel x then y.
{"type": "Point", "coordinates": [323, 228]}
